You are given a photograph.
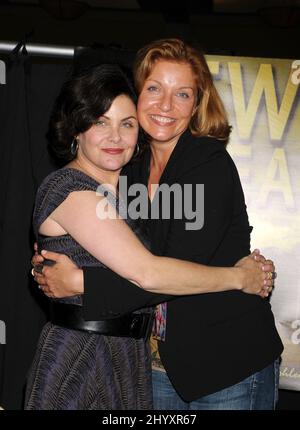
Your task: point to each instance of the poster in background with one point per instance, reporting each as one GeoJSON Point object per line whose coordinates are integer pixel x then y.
{"type": "Point", "coordinates": [262, 97]}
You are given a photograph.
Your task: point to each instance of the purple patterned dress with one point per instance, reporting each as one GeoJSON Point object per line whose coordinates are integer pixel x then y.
{"type": "Point", "coordinates": [74, 369]}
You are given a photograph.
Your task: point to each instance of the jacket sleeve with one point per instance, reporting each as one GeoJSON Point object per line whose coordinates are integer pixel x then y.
{"type": "Point", "coordinates": [108, 295]}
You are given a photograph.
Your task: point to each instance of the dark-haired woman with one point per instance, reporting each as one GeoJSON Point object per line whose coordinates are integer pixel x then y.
{"type": "Point", "coordinates": [220, 351]}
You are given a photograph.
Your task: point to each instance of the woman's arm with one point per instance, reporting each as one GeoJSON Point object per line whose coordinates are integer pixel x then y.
{"type": "Point", "coordinates": [113, 243]}
{"type": "Point", "coordinates": [101, 286]}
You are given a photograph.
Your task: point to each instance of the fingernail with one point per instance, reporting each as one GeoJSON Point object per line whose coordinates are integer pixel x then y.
{"type": "Point", "coordinates": [43, 252]}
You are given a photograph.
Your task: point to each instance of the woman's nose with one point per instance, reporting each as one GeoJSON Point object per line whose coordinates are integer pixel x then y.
{"type": "Point", "coordinates": [114, 135]}
{"type": "Point", "coordinates": [166, 102]}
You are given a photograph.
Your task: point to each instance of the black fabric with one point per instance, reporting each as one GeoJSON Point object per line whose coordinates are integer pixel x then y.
{"type": "Point", "coordinates": [289, 400]}
{"type": "Point", "coordinates": [25, 104]}
{"type": "Point", "coordinates": [89, 56]}
{"type": "Point", "coordinates": [101, 301]}
{"type": "Point", "coordinates": [212, 340]}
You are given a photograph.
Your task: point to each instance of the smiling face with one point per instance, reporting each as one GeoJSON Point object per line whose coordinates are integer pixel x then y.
{"type": "Point", "coordinates": [109, 144]}
{"type": "Point", "coordinates": [167, 101]}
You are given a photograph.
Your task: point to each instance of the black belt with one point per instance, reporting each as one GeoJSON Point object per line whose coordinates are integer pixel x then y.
{"type": "Point", "coordinates": [135, 325]}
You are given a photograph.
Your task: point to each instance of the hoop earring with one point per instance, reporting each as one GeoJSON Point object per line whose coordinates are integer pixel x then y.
{"type": "Point", "coordinates": [74, 146]}
{"type": "Point", "coordinates": [137, 150]}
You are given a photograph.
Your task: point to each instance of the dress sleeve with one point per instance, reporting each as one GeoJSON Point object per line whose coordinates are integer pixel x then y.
{"type": "Point", "coordinates": [55, 189]}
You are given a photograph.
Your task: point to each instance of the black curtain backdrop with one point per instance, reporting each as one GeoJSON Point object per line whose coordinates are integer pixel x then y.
{"type": "Point", "coordinates": [25, 104]}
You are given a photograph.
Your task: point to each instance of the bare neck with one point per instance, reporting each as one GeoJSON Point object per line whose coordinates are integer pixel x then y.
{"type": "Point", "coordinates": [102, 176]}
{"type": "Point", "coordinates": [160, 154]}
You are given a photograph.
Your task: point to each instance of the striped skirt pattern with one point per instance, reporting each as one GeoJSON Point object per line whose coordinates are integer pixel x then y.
{"type": "Point", "coordinates": [74, 370]}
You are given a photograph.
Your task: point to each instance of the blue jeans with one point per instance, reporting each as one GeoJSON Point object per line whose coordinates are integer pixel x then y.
{"type": "Point", "coordinates": [257, 392]}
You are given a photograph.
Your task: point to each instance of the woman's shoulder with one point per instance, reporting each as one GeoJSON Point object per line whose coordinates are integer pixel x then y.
{"type": "Point", "coordinates": [199, 150]}
{"type": "Point", "coordinates": [67, 178]}
{"type": "Point", "coordinates": [55, 176]}
{"type": "Point", "coordinates": [60, 183]}
{"type": "Point", "coordinates": [203, 157]}
{"type": "Point", "coordinates": [56, 187]}
{"type": "Point", "coordinates": [207, 145]}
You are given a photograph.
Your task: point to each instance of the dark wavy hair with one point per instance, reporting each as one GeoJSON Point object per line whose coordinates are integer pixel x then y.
{"type": "Point", "coordinates": [84, 97]}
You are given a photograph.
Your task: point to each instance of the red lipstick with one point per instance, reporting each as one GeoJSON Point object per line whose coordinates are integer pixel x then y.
{"type": "Point", "coordinates": [113, 151]}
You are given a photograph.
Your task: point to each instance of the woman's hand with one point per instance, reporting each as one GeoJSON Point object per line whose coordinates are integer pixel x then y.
{"type": "Point", "coordinates": [63, 279]}
{"type": "Point", "coordinates": [258, 274]}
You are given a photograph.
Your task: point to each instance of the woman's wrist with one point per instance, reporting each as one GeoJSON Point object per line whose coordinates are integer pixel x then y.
{"type": "Point", "coordinates": [237, 279]}
{"type": "Point", "coordinates": [77, 281]}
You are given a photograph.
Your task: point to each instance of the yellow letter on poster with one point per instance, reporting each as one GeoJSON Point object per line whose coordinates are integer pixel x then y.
{"type": "Point", "coordinates": [264, 84]}
{"type": "Point", "coordinates": [277, 168]}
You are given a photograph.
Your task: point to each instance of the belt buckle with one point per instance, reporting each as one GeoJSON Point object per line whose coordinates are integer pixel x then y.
{"type": "Point", "coordinates": [141, 325]}
{"type": "Point", "coordinates": [149, 325]}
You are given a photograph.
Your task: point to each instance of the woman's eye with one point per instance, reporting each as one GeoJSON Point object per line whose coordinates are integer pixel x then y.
{"type": "Point", "coordinates": [100, 123]}
{"type": "Point", "coordinates": [183, 95]}
{"type": "Point", "coordinates": [127, 124]}
{"type": "Point", "coordinates": [152, 88]}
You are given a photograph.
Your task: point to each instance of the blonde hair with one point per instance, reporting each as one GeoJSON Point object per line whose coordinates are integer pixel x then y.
{"type": "Point", "coordinates": [209, 118]}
